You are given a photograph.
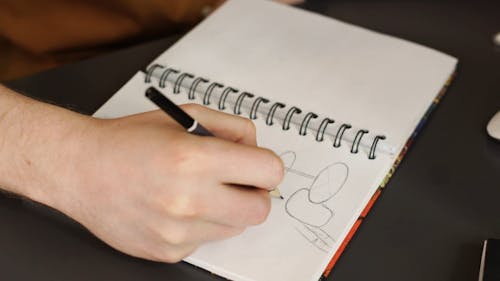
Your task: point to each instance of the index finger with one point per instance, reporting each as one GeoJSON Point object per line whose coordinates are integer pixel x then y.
{"type": "Point", "coordinates": [244, 164]}
{"type": "Point", "coordinates": [223, 125]}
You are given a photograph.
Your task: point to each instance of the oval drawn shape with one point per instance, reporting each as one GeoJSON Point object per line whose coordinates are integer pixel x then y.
{"type": "Point", "coordinates": [300, 208]}
{"type": "Point", "coordinates": [328, 182]}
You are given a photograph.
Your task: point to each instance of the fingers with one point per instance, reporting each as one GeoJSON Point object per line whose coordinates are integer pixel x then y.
{"type": "Point", "coordinates": [235, 206]}
{"type": "Point", "coordinates": [243, 165]}
{"type": "Point", "coordinates": [180, 239]}
{"type": "Point", "coordinates": [231, 162]}
{"type": "Point", "coordinates": [205, 200]}
{"type": "Point", "coordinates": [179, 232]}
{"type": "Point", "coordinates": [230, 127]}
{"type": "Point", "coordinates": [177, 239]}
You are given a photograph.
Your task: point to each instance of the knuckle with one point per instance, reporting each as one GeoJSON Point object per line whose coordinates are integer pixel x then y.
{"type": "Point", "coordinates": [186, 158]}
{"type": "Point", "coordinates": [182, 207]}
{"type": "Point", "coordinates": [192, 108]}
{"type": "Point", "coordinates": [176, 236]}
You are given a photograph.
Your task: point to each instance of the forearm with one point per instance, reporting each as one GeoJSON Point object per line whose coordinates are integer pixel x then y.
{"type": "Point", "coordinates": [33, 138]}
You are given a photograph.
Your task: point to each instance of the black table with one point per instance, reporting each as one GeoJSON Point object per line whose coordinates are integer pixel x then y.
{"type": "Point", "coordinates": [429, 223]}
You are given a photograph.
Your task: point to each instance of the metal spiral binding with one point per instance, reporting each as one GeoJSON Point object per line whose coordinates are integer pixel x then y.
{"type": "Point", "coordinates": [194, 85]}
{"type": "Point", "coordinates": [321, 130]}
{"type": "Point", "coordinates": [357, 140]}
{"type": "Point", "coordinates": [270, 114]}
{"type": "Point", "coordinates": [288, 117]}
{"type": "Point", "coordinates": [165, 74]}
{"type": "Point", "coordinates": [255, 107]}
{"type": "Point", "coordinates": [178, 81]}
{"type": "Point", "coordinates": [223, 96]}
{"type": "Point", "coordinates": [239, 101]}
{"type": "Point", "coordinates": [208, 92]}
{"type": "Point", "coordinates": [371, 155]}
{"type": "Point", "coordinates": [340, 133]}
{"type": "Point", "coordinates": [305, 123]}
{"type": "Point", "coordinates": [150, 71]}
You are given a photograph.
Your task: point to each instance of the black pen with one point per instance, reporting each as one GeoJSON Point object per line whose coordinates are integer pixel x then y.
{"type": "Point", "coordinates": [191, 125]}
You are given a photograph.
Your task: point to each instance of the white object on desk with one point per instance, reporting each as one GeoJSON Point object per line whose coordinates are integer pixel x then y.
{"type": "Point", "coordinates": [493, 127]}
{"type": "Point", "coordinates": [496, 39]}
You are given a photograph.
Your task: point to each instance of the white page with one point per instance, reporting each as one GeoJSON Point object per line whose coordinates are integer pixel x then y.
{"type": "Point", "coordinates": [338, 70]}
{"type": "Point", "coordinates": [357, 76]}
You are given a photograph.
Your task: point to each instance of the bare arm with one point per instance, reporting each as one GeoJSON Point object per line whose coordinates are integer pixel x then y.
{"type": "Point", "coordinates": [139, 183]}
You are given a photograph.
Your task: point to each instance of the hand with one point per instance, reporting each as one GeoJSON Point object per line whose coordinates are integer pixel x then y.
{"type": "Point", "coordinates": [146, 187]}
{"type": "Point", "coordinates": [140, 183]}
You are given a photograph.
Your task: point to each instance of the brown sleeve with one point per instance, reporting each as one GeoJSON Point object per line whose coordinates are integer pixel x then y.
{"type": "Point", "coordinates": [45, 26]}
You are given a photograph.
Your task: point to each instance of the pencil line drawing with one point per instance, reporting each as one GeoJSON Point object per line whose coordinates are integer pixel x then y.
{"type": "Point", "coordinates": [299, 173]}
{"type": "Point", "coordinates": [308, 205]}
{"type": "Point", "coordinates": [317, 237]}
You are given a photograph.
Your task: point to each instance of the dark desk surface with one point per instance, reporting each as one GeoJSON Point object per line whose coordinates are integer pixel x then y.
{"type": "Point", "coordinates": [428, 225]}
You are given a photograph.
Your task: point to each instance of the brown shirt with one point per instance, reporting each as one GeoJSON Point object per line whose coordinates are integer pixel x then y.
{"type": "Point", "coordinates": [39, 34]}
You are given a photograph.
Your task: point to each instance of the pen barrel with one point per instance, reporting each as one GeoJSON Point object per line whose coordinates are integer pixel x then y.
{"type": "Point", "coordinates": [200, 130]}
{"type": "Point", "coordinates": [171, 109]}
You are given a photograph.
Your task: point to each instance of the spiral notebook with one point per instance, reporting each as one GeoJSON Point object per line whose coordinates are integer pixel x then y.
{"type": "Point", "coordinates": [337, 102]}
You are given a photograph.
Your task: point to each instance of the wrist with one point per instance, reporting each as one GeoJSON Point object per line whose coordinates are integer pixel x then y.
{"type": "Point", "coordinates": [37, 143]}
{"type": "Point", "coordinates": [12, 108]}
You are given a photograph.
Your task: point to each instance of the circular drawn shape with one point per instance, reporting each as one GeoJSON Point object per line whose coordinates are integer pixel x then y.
{"type": "Point", "coordinates": [300, 208]}
{"type": "Point", "coordinates": [328, 182]}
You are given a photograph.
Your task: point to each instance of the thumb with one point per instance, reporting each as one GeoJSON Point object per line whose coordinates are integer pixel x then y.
{"type": "Point", "coordinates": [230, 127]}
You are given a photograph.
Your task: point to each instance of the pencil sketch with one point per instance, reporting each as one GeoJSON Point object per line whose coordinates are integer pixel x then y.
{"type": "Point", "coordinates": [308, 205]}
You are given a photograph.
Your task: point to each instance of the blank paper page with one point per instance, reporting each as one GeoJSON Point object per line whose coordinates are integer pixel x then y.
{"type": "Point", "coordinates": [354, 75]}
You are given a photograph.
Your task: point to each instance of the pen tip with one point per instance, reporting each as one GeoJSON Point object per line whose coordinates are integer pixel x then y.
{"type": "Point", "coordinates": [275, 193]}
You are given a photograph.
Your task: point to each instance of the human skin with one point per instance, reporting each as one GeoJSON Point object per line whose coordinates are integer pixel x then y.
{"type": "Point", "coordinates": [141, 183]}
